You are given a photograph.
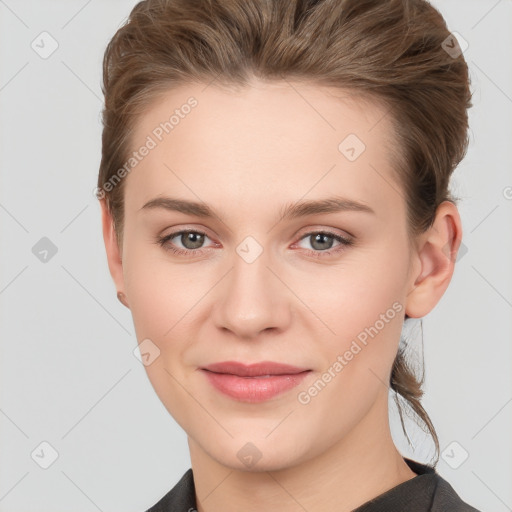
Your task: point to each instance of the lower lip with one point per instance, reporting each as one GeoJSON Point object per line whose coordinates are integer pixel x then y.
{"type": "Point", "coordinates": [253, 389]}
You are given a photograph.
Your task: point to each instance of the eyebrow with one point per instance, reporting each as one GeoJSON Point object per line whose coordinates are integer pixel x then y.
{"type": "Point", "coordinates": [288, 211]}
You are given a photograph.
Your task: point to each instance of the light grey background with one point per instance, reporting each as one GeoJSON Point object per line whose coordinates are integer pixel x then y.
{"type": "Point", "coordinates": [68, 373]}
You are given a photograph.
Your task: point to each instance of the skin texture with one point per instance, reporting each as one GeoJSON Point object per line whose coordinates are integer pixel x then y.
{"type": "Point", "coordinates": [248, 153]}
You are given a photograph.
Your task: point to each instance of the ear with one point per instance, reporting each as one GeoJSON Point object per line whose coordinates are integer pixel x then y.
{"type": "Point", "coordinates": [114, 256]}
{"type": "Point", "coordinates": [434, 261]}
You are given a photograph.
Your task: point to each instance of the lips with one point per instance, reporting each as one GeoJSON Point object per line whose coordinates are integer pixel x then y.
{"type": "Point", "coordinates": [254, 370]}
{"type": "Point", "coordinates": [255, 382]}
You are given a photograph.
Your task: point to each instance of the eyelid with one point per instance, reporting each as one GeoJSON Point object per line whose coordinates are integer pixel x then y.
{"type": "Point", "coordinates": [322, 229]}
{"type": "Point", "coordinates": [343, 241]}
{"type": "Point", "coordinates": [300, 234]}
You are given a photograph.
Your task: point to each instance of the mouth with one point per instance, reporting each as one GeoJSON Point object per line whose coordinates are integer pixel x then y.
{"type": "Point", "coordinates": [253, 383]}
{"type": "Point", "coordinates": [260, 369]}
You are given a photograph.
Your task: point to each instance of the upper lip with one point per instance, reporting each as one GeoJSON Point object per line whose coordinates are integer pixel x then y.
{"type": "Point", "coordinates": [255, 369]}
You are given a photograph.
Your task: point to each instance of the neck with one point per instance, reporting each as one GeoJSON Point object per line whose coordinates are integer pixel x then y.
{"type": "Point", "coordinates": [361, 465]}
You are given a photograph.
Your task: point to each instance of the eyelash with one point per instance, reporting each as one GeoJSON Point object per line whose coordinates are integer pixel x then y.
{"type": "Point", "coordinates": [344, 242]}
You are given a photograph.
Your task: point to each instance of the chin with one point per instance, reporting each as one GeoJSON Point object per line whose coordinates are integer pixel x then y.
{"type": "Point", "coordinates": [255, 455]}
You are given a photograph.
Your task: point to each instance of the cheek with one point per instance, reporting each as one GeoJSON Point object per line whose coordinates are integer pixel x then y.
{"type": "Point", "coordinates": [349, 298]}
{"type": "Point", "coordinates": [160, 292]}
{"type": "Point", "coordinates": [365, 311]}
{"type": "Point", "coordinates": [162, 296]}
{"type": "Point", "coordinates": [353, 295]}
{"type": "Point", "coordinates": [343, 299]}
{"type": "Point", "coordinates": [363, 306]}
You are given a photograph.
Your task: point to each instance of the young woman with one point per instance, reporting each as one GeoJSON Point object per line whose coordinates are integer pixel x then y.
{"type": "Point", "coordinates": [275, 204]}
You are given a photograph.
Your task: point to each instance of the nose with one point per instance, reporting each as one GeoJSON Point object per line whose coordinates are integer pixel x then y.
{"type": "Point", "coordinates": [253, 296]}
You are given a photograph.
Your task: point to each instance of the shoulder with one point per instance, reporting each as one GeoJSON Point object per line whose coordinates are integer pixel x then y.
{"type": "Point", "coordinates": [446, 499]}
{"type": "Point", "coordinates": [426, 492]}
{"type": "Point", "coordinates": [180, 497]}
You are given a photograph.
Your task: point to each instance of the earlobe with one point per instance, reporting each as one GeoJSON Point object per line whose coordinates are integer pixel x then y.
{"type": "Point", "coordinates": [112, 249]}
{"type": "Point", "coordinates": [122, 299]}
{"type": "Point", "coordinates": [436, 255]}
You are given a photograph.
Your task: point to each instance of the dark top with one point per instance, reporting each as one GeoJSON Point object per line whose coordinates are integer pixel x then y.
{"type": "Point", "coordinates": [426, 492]}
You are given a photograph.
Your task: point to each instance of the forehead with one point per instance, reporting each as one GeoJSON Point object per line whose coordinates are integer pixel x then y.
{"type": "Point", "coordinates": [270, 142]}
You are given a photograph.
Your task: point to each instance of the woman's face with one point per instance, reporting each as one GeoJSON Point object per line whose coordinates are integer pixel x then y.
{"type": "Point", "coordinates": [252, 284]}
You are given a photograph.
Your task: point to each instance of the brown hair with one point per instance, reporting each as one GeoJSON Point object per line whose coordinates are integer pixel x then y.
{"type": "Point", "coordinates": [390, 51]}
